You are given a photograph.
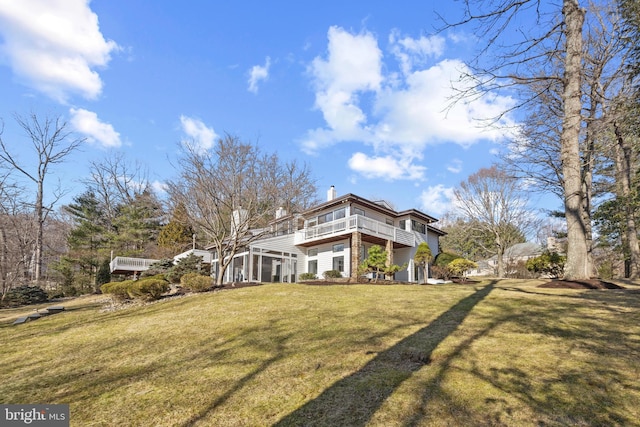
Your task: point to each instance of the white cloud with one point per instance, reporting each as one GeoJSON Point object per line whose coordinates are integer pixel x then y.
{"type": "Point", "coordinates": [53, 46]}
{"type": "Point", "coordinates": [159, 187]}
{"type": "Point", "coordinates": [257, 74]}
{"type": "Point", "coordinates": [385, 167]}
{"type": "Point", "coordinates": [417, 115]}
{"type": "Point", "coordinates": [199, 136]}
{"type": "Point", "coordinates": [437, 199]}
{"type": "Point", "coordinates": [87, 123]}
{"type": "Point", "coordinates": [353, 66]}
{"type": "Point", "coordinates": [411, 52]}
{"type": "Point", "coordinates": [455, 166]}
{"type": "Point", "coordinates": [398, 114]}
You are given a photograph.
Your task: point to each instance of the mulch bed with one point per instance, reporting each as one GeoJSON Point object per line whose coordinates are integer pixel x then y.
{"type": "Point", "coordinates": [237, 285]}
{"type": "Point", "coordinates": [580, 284]}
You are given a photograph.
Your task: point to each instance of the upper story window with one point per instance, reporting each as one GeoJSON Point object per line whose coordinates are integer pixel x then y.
{"type": "Point", "coordinates": [328, 217]}
{"type": "Point", "coordinates": [338, 247]}
{"type": "Point", "coordinates": [418, 226]}
{"type": "Point", "coordinates": [358, 211]}
{"type": "Point", "coordinates": [312, 252]}
{"type": "Point", "coordinates": [325, 218]}
{"type": "Point", "coordinates": [389, 221]}
{"type": "Point", "coordinates": [403, 224]}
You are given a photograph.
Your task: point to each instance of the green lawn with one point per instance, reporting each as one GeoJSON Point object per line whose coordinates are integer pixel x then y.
{"type": "Point", "coordinates": [496, 353]}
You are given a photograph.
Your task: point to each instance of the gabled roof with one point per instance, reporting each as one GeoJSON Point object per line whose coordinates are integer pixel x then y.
{"type": "Point", "coordinates": [521, 250]}
{"type": "Point", "coordinates": [379, 206]}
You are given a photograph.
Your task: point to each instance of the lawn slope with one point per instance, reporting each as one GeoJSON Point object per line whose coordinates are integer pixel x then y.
{"type": "Point", "coordinates": [493, 353]}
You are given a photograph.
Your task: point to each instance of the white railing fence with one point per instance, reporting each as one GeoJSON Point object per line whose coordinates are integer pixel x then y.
{"type": "Point", "coordinates": [361, 223]}
{"type": "Point", "coordinates": [131, 264]}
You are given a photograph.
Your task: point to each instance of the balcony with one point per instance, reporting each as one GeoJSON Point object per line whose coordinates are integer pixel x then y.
{"type": "Point", "coordinates": [345, 226]}
{"type": "Point", "coordinates": [125, 265]}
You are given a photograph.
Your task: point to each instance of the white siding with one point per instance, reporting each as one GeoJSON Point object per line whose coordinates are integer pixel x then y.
{"type": "Point", "coordinates": [371, 214]}
{"type": "Point", "coordinates": [326, 254]}
{"type": "Point", "coordinates": [280, 244]}
{"type": "Point", "coordinates": [400, 257]}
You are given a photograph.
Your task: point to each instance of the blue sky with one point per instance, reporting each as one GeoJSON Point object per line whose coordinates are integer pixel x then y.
{"type": "Point", "coordinates": [357, 90]}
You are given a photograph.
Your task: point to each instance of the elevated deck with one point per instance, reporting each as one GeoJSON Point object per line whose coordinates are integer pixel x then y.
{"type": "Point", "coordinates": [373, 230]}
{"type": "Point", "coordinates": [127, 265]}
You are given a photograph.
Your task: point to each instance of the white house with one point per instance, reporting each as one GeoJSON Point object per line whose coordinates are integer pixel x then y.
{"type": "Point", "coordinates": [335, 235]}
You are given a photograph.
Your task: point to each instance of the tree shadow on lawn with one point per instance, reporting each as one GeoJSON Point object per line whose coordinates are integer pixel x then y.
{"type": "Point", "coordinates": [204, 412]}
{"type": "Point", "coordinates": [585, 388]}
{"type": "Point", "coordinates": [354, 400]}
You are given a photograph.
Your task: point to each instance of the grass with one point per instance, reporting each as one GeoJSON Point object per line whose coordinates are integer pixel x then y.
{"type": "Point", "coordinates": [497, 353]}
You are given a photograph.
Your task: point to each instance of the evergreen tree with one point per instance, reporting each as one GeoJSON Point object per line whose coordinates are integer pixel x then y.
{"type": "Point", "coordinates": [88, 239]}
{"type": "Point", "coordinates": [104, 274]}
{"type": "Point", "coordinates": [423, 257]}
{"type": "Point", "coordinates": [137, 225]}
{"type": "Point", "coordinates": [177, 235]}
{"type": "Point", "coordinates": [377, 262]}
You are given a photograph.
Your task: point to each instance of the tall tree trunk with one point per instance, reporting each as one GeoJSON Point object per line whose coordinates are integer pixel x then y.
{"type": "Point", "coordinates": [588, 168]}
{"type": "Point", "coordinates": [39, 232]}
{"type": "Point", "coordinates": [500, 261]}
{"type": "Point", "coordinates": [624, 194]}
{"type": "Point", "coordinates": [578, 265]}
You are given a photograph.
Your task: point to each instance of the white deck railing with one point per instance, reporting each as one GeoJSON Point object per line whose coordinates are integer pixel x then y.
{"type": "Point", "coordinates": [355, 223]}
{"type": "Point", "coordinates": [130, 264]}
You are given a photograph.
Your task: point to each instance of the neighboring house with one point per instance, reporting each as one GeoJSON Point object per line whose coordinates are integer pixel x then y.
{"type": "Point", "coordinates": [512, 256]}
{"type": "Point", "coordinates": [334, 235]}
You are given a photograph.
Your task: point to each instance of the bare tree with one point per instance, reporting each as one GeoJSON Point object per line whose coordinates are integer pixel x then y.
{"type": "Point", "coordinates": [497, 206]}
{"type": "Point", "coordinates": [524, 58]}
{"type": "Point", "coordinates": [231, 193]}
{"type": "Point", "coordinates": [53, 144]}
{"type": "Point", "coordinates": [17, 236]}
{"type": "Point", "coordinates": [537, 154]}
{"type": "Point", "coordinates": [116, 182]}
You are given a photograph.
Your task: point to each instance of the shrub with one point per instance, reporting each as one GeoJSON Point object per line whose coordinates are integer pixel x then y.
{"type": "Point", "coordinates": [548, 263]}
{"type": "Point", "coordinates": [444, 258]}
{"type": "Point", "coordinates": [119, 291]}
{"type": "Point", "coordinates": [196, 282]}
{"type": "Point", "coordinates": [151, 288]}
{"type": "Point", "coordinates": [606, 270]}
{"type": "Point", "coordinates": [24, 295]}
{"type": "Point", "coordinates": [441, 272]}
{"type": "Point", "coordinates": [461, 266]}
{"type": "Point", "coordinates": [332, 274]}
{"type": "Point", "coordinates": [162, 266]}
{"type": "Point", "coordinates": [308, 276]}
{"type": "Point", "coordinates": [190, 264]}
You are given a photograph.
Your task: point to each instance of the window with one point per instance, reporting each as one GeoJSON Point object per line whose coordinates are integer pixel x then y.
{"type": "Point", "coordinates": [389, 221]}
{"type": "Point", "coordinates": [312, 252]}
{"type": "Point", "coordinates": [313, 267]}
{"type": "Point", "coordinates": [338, 263]}
{"type": "Point", "coordinates": [403, 224]}
{"type": "Point", "coordinates": [358, 211]}
{"type": "Point", "coordinates": [340, 213]}
{"type": "Point", "coordinates": [418, 226]}
{"type": "Point", "coordinates": [338, 247]}
{"type": "Point", "coordinates": [325, 218]}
